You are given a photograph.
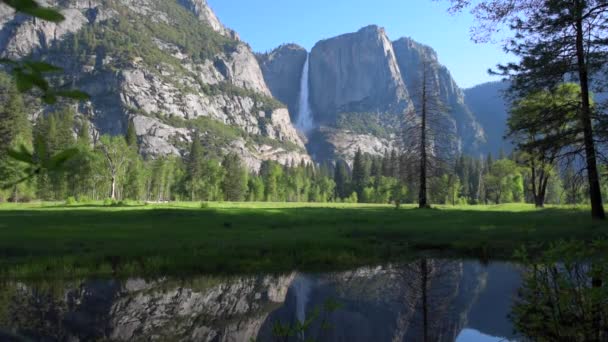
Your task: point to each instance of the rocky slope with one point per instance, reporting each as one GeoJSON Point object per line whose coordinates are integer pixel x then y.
{"type": "Point", "coordinates": [361, 84]}
{"type": "Point", "coordinates": [170, 66]}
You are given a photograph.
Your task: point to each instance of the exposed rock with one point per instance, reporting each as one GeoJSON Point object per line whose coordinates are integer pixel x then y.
{"type": "Point", "coordinates": [411, 55]}
{"type": "Point", "coordinates": [282, 69]}
{"type": "Point", "coordinates": [356, 72]}
{"type": "Point", "coordinates": [163, 95]}
{"type": "Point", "coordinates": [21, 36]}
{"type": "Point", "coordinates": [202, 10]}
{"type": "Point", "coordinates": [244, 71]}
{"type": "Point", "coordinates": [338, 144]}
{"type": "Point", "coordinates": [491, 111]}
{"type": "Point", "coordinates": [155, 137]}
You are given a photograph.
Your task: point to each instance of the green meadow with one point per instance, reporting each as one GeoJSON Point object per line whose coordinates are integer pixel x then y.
{"type": "Point", "coordinates": [55, 240]}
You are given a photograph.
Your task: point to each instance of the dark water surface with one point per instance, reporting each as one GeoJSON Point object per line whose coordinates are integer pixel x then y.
{"type": "Point", "coordinates": [425, 300]}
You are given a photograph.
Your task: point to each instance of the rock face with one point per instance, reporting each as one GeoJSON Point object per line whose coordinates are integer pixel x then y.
{"type": "Point", "coordinates": [491, 110]}
{"type": "Point", "coordinates": [361, 84]}
{"type": "Point", "coordinates": [282, 69]}
{"type": "Point", "coordinates": [166, 86]}
{"type": "Point", "coordinates": [411, 55]}
{"type": "Point", "coordinates": [202, 10]}
{"type": "Point", "coordinates": [356, 72]}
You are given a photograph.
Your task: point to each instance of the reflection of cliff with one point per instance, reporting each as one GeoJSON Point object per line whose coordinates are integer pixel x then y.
{"type": "Point", "coordinates": [203, 309]}
{"type": "Point", "coordinates": [389, 303]}
{"type": "Point", "coordinates": [432, 300]}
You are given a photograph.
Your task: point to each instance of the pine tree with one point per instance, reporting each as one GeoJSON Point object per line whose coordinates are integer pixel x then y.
{"type": "Point", "coordinates": [131, 135]}
{"type": "Point", "coordinates": [195, 167]}
{"type": "Point", "coordinates": [360, 174]}
{"type": "Point", "coordinates": [234, 185]}
{"type": "Point", "coordinates": [341, 179]}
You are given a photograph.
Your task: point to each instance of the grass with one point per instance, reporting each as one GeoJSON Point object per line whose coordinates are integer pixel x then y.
{"type": "Point", "coordinates": [53, 240]}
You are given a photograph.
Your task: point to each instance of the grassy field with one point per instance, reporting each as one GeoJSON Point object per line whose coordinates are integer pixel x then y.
{"type": "Point", "coordinates": [53, 240]}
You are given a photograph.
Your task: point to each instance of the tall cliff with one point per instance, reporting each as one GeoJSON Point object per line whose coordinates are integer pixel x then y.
{"type": "Point", "coordinates": [282, 69]}
{"type": "Point", "coordinates": [355, 72]}
{"type": "Point", "coordinates": [361, 84]}
{"type": "Point", "coordinates": [169, 66]}
{"type": "Point", "coordinates": [491, 108]}
{"type": "Point", "coordinates": [411, 55]}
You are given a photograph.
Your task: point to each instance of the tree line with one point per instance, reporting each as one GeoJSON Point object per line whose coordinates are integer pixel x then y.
{"type": "Point", "coordinates": [111, 167]}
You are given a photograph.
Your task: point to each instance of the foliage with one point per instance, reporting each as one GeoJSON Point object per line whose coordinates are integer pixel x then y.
{"type": "Point", "coordinates": [377, 124]}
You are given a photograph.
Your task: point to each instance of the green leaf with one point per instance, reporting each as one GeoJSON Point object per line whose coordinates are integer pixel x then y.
{"type": "Point", "coordinates": [22, 155]}
{"type": "Point", "coordinates": [73, 94]}
{"type": "Point", "coordinates": [41, 67]}
{"type": "Point", "coordinates": [24, 81]}
{"type": "Point", "coordinates": [62, 157]}
{"type": "Point", "coordinates": [32, 8]}
{"type": "Point", "coordinates": [47, 14]}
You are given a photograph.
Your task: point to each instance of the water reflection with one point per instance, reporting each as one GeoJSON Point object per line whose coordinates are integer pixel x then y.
{"type": "Point", "coordinates": [426, 300]}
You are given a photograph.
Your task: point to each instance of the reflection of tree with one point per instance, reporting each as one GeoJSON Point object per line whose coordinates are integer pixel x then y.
{"type": "Point", "coordinates": [430, 287]}
{"type": "Point", "coordinates": [564, 297]}
{"type": "Point", "coordinates": [34, 312]}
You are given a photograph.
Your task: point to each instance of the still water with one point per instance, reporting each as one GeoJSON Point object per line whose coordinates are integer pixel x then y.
{"type": "Point", "coordinates": [425, 300]}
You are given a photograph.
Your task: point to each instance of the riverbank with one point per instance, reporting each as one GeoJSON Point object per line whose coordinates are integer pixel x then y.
{"type": "Point", "coordinates": [46, 240]}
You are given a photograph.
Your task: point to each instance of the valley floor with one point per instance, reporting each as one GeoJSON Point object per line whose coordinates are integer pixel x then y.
{"type": "Point", "coordinates": [46, 239]}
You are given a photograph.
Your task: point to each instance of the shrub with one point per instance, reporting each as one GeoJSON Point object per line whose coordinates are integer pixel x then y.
{"type": "Point", "coordinates": [71, 201]}
{"type": "Point", "coordinates": [205, 205]}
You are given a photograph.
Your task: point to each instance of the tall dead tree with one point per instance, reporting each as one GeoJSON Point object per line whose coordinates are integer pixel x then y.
{"type": "Point", "coordinates": [427, 133]}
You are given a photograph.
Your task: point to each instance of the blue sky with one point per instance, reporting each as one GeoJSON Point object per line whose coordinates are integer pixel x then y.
{"type": "Point", "coordinates": [265, 24]}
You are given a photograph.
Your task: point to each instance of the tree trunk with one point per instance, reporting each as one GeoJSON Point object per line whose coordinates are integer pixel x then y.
{"type": "Point", "coordinates": [113, 190]}
{"type": "Point", "coordinates": [422, 200]}
{"type": "Point", "coordinates": [595, 194]}
{"type": "Point", "coordinates": [425, 309]}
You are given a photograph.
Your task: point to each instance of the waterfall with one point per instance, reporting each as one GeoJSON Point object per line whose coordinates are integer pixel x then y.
{"type": "Point", "coordinates": [305, 120]}
{"type": "Point", "coordinates": [301, 287]}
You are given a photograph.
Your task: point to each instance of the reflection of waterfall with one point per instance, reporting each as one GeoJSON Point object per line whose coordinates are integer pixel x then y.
{"type": "Point", "coordinates": [301, 287]}
{"type": "Point", "coordinates": [305, 119]}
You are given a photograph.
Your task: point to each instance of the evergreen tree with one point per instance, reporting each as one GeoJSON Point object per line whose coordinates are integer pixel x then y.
{"type": "Point", "coordinates": [360, 174]}
{"type": "Point", "coordinates": [195, 167]}
{"type": "Point", "coordinates": [131, 135]}
{"type": "Point", "coordinates": [341, 179]}
{"type": "Point", "coordinates": [234, 185]}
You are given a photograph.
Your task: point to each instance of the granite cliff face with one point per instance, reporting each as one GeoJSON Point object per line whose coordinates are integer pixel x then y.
{"type": "Point", "coordinates": [411, 55]}
{"type": "Point", "coordinates": [356, 72]}
{"type": "Point", "coordinates": [488, 103]}
{"type": "Point", "coordinates": [361, 84]}
{"type": "Point", "coordinates": [187, 69]}
{"type": "Point", "coordinates": [282, 69]}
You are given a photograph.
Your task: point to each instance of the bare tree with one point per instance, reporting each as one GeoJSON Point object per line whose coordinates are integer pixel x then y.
{"type": "Point", "coordinates": [115, 150]}
{"type": "Point", "coordinates": [427, 133]}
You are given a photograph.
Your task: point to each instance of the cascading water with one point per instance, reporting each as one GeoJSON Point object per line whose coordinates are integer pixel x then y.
{"type": "Point", "coordinates": [305, 121]}
{"type": "Point", "coordinates": [302, 287]}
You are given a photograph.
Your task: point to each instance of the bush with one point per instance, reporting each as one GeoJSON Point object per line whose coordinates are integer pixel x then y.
{"type": "Point", "coordinates": [71, 201]}
{"type": "Point", "coordinates": [352, 199]}
{"type": "Point", "coordinates": [205, 205]}
{"type": "Point", "coordinates": [108, 202]}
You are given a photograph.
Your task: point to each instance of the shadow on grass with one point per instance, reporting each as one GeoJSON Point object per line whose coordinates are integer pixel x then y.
{"type": "Point", "coordinates": [181, 240]}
